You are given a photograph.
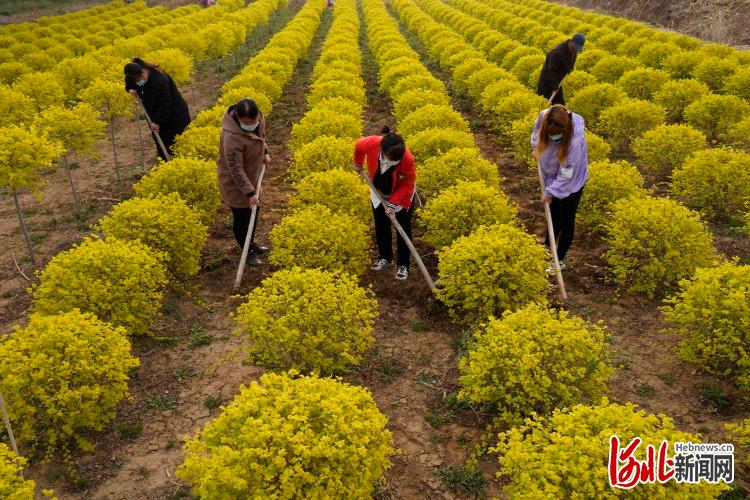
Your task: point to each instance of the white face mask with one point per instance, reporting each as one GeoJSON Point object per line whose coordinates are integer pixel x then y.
{"type": "Point", "coordinates": [555, 137]}
{"type": "Point", "coordinates": [249, 128]}
{"type": "Point", "coordinates": [141, 83]}
{"type": "Point", "coordinates": [387, 163]}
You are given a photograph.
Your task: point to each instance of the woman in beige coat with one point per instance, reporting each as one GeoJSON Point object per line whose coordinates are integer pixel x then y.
{"type": "Point", "coordinates": [242, 150]}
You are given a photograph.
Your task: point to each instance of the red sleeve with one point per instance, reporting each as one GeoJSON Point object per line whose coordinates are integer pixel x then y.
{"type": "Point", "coordinates": [363, 146]}
{"type": "Point", "coordinates": [404, 190]}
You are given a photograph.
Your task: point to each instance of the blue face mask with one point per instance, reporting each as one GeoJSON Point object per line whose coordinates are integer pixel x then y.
{"type": "Point", "coordinates": [248, 128]}
{"type": "Point", "coordinates": [555, 137]}
{"type": "Point", "coordinates": [141, 83]}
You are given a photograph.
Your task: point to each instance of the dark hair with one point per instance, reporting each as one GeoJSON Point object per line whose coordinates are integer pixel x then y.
{"type": "Point", "coordinates": [134, 69]}
{"type": "Point", "coordinates": [148, 65]}
{"type": "Point", "coordinates": [246, 108]}
{"type": "Point", "coordinates": [392, 145]}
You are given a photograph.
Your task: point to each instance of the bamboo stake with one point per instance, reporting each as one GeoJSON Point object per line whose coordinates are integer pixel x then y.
{"type": "Point", "coordinates": [76, 205]}
{"type": "Point", "coordinates": [140, 140]}
{"type": "Point", "coordinates": [412, 249]}
{"type": "Point", "coordinates": [8, 428]}
{"type": "Point", "coordinates": [25, 230]}
{"type": "Point", "coordinates": [250, 226]}
{"type": "Point", "coordinates": [114, 148]}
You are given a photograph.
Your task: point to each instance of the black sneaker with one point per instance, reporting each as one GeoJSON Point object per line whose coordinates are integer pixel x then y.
{"type": "Point", "coordinates": [259, 249]}
{"type": "Point", "coordinates": [402, 273]}
{"type": "Point", "coordinates": [253, 260]}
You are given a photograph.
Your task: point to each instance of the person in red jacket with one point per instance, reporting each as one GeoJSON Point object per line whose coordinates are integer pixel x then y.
{"type": "Point", "coordinates": [391, 168]}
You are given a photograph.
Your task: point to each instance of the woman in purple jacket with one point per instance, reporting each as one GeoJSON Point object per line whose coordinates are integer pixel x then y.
{"type": "Point", "coordinates": [559, 143]}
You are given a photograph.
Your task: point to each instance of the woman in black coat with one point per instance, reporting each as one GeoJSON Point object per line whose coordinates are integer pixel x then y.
{"type": "Point", "coordinates": [163, 102]}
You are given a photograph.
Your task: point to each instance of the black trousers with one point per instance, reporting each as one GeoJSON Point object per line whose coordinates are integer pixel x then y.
{"type": "Point", "coordinates": [168, 134]}
{"type": "Point", "coordinates": [383, 234]}
{"type": "Point", "coordinates": [240, 221]}
{"type": "Point", "coordinates": [564, 221]}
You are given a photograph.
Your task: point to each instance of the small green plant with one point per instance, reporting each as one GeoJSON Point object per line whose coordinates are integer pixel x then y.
{"type": "Point", "coordinates": [198, 336]}
{"type": "Point", "coordinates": [212, 402]}
{"type": "Point", "coordinates": [131, 431]}
{"type": "Point", "coordinates": [160, 402]}
{"type": "Point", "coordinates": [645, 391]}
{"type": "Point", "coordinates": [714, 395]}
{"type": "Point", "coordinates": [462, 479]}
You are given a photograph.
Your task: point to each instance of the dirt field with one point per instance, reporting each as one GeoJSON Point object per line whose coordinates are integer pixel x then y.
{"type": "Point", "coordinates": [198, 364]}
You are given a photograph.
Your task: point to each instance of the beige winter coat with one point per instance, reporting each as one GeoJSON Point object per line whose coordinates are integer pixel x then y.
{"type": "Point", "coordinates": [240, 157]}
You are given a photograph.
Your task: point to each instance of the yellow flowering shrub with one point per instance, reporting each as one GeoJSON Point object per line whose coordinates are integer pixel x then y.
{"type": "Point", "coordinates": [16, 107]}
{"type": "Point", "coordinates": [716, 115]}
{"type": "Point", "coordinates": [739, 136]}
{"type": "Point", "coordinates": [341, 191]}
{"type": "Point", "coordinates": [577, 81]}
{"type": "Point", "coordinates": [174, 62]}
{"type": "Point", "coordinates": [412, 100]}
{"type": "Point", "coordinates": [198, 142]}
{"type": "Point", "coordinates": [737, 84]}
{"type": "Point", "coordinates": [107, 97]}
{"type": "Point", "coordinates": [711, 313]}
{"type": "Point", "coordinates": [432, 116]}
{"type": "Point", "coordinates": [165, 223]}
{"type": "Point", "coordinates": [654, 243]}
{"type": "Point", "coordinates": [608, 182]}
{"type": "Point", "coordinates": [457, 164]}
{"type": "Point", "coordinates": [492, 270]}
{"type": "Point", "coordinates": [535, 360]}
{"type": "Point", "coordinates": [680, 65]}
{"type": "Point", "coordinates": [642, 83]}
{"type": "Point", "coordinates": [41, 88]}
{"type": "Point", "coordinates": [210, 117]}
{"type": "Point", "coordinates": [193, 179]}
{"type": "Point", "coordinates": [523, 68]}
{"type": "Point", "coordinates": [716, 182]}
{"type": "Point", "coordinates": [610, 68]}
{"type": "Point", "coordinates": [309, 320]}
{"type": "Point", "coordinates": [516, 106]}
{"type": "Point", "coordinates": [460, 209]}
{"type": "Point", "coordinates": [437, 141]}
{"type": "Point", "coordinates": [291, 437]}
{"type": "Point", "coordinates": [323, 120]}
{"type": "Point", "coordinates": [714, 71]}
{"type": "Point", "coordinates": [497, 91]}
{"type": "Point", "coordinates": [520, 132]}
{"type": "Point", "coordinates": [662, 149]}
{"type": "Point", "coordinates": [592, 100]}
{"type": "Point", "coordinates": [622, 123]}
{"type": "Point", "coordinates": [565, 455]}
{"type": "Point", "coordinates": [598, 148]}
{"type": "Point", "coordinates": [12, 485]}
{"type": "Point", "coordinates": [676, 95]}
{"type": "Point", "coordinates": [77, 129]}
{"type": "Point", "coordinates": [347, 87]}
{"type": "Point", "coordinates": [315, 237]}
{"type": "Point", "coordinates": [122, 282]}
{"type": "Point", "coordinates": [322, 154]}
{"type": "Point", "coordinates": [653, 54]}
{"type": "Point", "coordinates": [23, 154]}
{"type": "Point", "coordinates": [740, 433]}
{"type": "Point", "coordinates": [63, 376]}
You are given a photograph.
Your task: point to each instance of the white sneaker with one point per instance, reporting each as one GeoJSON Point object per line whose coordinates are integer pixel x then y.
{"type": "Point", "coordinates": [402, 273]}
{"type": "Point", "coordinates": [551, 268]}
{"type": "Point", "coordinates": [380, 265]}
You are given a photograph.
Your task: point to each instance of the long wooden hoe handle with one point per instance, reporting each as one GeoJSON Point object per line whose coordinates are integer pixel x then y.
{"type": "Point", "coordinates": [250, 226]}
{"type": "Point", "coordinates": [550, 230]}
{"type": "Point", "coordinates": [414, 253]}
{"type": "Point", "coordinates": [156, 134]}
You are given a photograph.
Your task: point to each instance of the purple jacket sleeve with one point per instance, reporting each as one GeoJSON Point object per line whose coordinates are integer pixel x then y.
{"type": "Point", "coordinates": [573, 175]}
